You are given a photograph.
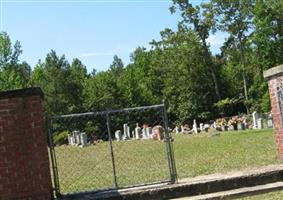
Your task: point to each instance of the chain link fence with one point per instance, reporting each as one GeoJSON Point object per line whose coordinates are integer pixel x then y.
{"type": "Point", "coordinates": [111, 149]}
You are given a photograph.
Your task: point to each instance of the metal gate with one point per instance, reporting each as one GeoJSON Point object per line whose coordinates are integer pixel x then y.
{"type": "Point", "coordinates": [111, 149]}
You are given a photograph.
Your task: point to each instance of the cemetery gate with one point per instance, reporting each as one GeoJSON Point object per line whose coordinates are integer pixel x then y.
{"type": "Point", "coordinates": [111, 149]}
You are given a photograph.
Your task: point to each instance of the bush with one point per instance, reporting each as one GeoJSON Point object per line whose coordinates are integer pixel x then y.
{"type": "Point", "coordinates": [61, 138]}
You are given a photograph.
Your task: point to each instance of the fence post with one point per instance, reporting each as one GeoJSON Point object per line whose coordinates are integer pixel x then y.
{"type": "Point", "coordinates": [111, 151]}
{"type": "Point", "coordinates": [53, 159]}
{"type": "Point", "coordinates": [170, 151]}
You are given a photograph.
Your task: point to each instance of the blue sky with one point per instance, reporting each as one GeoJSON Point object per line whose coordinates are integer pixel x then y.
{"type": "Point", "coordinates": [91, 30]}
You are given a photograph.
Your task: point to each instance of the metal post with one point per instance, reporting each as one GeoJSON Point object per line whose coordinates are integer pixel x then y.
{"type": "Point", "coordinates": [53, 160]}
{"type": "Point", "coordinates": [170, 151]}
{"type": "Point", "coordinates": [111, 151]}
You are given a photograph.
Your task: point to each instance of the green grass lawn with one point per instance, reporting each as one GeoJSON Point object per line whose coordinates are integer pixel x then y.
{"type": "Point", "coordinates": [267, 196]}
{"type": "Point", "coordinates": [202, 154]}
{"type": "Point", "coordinates": [145, 161]}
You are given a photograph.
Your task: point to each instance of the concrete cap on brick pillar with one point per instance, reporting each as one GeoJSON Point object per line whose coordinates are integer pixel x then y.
{"type": "Point", "coordinates": [273, 72]}
{"type": "Point", "coordinates": [34, 91]}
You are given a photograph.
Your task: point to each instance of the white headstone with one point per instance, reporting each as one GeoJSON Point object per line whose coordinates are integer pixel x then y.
{"type": "Point", "coordinates": [182, 129]}
{"type": "Point", "coordinates": [148, 131]}
{"type": "Point", "coordinates": [177, 129]}
{"type": "Point", "coordinates": [214, 124]}
{"type": "Point", "coordinates": [138, 132]}
{"type": "Point", "coordinates": [78, 139]}
{"type": "Point", "coordinates": [270, 121]}
{"type": "Point", "coordinates": [118, 135]}
{"type": "Point", "coordinates": [75, 136]}
{"type": "Point", "coordinates": [126, 133]}
{"type": "Point", "coordinates": [195, 126]}
{"type": "Point", "coordinates": [144, 133]}
{"type": "Point", "coordinates": [70, 140]}
{"type": "Point", "coordinates": [255, 118]}
{"type": "Point", "coordinates": [260, 123]}
{"type": "Point", "coordinates": [201, 127]}
{"type": "Point", "coordinates": [83, 139]}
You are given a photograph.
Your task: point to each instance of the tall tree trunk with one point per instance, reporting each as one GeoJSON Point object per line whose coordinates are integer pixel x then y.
{"type": "Point", "coordinates": [243, 66]}
{"type": "Point", "coordinates": [245, 86]}
{"type": "Point", "coordinates": [209, 63]}
{"type": "Point", "coordinates": [245, 90]}
{"type": "Point", "coordinates": [216, 88]}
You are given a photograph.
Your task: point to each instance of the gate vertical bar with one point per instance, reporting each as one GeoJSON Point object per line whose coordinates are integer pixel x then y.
{"type": "Point", "coordinates": [170, 151]}
{"type": "Point", "coordinates": [53, 159]}
{"type": "Point", "coordinates": [111, 151]}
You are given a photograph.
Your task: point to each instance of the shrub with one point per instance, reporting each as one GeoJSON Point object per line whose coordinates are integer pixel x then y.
{"type": "Point", "coordinates": [61, 138]}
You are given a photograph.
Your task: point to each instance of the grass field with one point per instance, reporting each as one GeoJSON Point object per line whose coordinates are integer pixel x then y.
{"type": "Point", "coordinates": [145, 161]}
{"type": "Point", "coordinates": [267, 196]}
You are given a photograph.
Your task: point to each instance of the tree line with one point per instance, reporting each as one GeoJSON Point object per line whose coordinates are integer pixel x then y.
{"type": "Point", "coordinates": [179, 67]}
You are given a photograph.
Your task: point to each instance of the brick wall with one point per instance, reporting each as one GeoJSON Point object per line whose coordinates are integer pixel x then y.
{"type": "Point", "coordinates": [275, 84]}
{"type": "Point", "coordinates": [24, 163]}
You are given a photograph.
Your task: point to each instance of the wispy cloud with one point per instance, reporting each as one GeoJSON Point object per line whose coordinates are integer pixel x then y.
{"type": "Point", "coordinates": [121, 50]}
{"type": "Point", "coordinates": [217, 39]}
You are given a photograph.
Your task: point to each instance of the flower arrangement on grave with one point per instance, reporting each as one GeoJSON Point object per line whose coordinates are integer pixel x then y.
{"type": "Point", "coordinates": [233, 121]}
{"type": "Point", "coordinates": [241, 122]}
{"type": "Point", "coordinates": [241, 119]}
{"type": "Point", "coordinates": [221, 122]}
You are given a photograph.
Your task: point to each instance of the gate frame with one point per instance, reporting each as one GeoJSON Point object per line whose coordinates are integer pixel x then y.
{"type": "Point", "coordinates": [168, 139]}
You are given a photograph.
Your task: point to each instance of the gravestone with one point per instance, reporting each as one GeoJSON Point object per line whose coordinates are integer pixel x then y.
{"type": "Point", "coordinates": [270, 121]}
{"type": "Point", "coordinates": [148, 132]}
{"type": "Point", "coordinates": [118, 135]}
{"type": "Point", "coordinates": [195, 127]}
{"type": "Point", "coordinates": [260, 123]}
{"type": "Point", "coordinates": [83, 139]}
{"type": "Point", "coordinates": [255, 118]}
{"type": "Point", "coordinates": [241, 126]}
{"type": "Point", "coordinates": [182, 129]}
{"type": "Point", "coordinates": [71, 140]}
{"type": "Point", "coordinates": [231, 128]}
{"type": "Point", "coordinates": [144, 136]}
{"type": "Point", "coordinates": [214, 124]}
{"type": "Point", "coordinates": [206, 127]}
{"type": "Point", "coordinates": [201, 127]}
{"type": "Point", "coordinates": [126, 132]}
{"type": "Point", "coordinates": [138, 132]}
{"type": "Point", "coordinates": [158, 133]}
{"type": "Point", "coordinates": [76, 135]}
{"type": "Point", "coordinates": [177, 129]}
{"type": "Point", "coordinates": [77, 138]}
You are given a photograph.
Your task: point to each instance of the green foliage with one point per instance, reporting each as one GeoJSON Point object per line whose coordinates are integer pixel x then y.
{"type": "Point", "coordinates": [92, 130]}
{"type": "Point", "coordinates": [61, 138]}
{"type": "Point", "coordinates": [179, 67]}
{"type": "Point", "coordinates": [13, 74]}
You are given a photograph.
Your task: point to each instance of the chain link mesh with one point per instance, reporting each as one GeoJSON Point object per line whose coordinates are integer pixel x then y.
{"type": "Point", "coordinates": [111, 149]}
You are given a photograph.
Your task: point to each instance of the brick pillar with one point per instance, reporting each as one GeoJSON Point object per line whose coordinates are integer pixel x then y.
{"type": "Point", "coordinates": [275, 85]}
{"type": "Point", "coordinates": [24, 163]}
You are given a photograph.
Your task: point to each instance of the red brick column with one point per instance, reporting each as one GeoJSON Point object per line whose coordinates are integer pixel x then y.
{"type": "Point", "coordinates": [24, 163]}
{"type": "Point", "coordinates": [275, 85]}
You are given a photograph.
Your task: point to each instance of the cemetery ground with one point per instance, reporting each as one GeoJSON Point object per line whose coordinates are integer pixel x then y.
{"type": "Point", "coordinates": [197, 154]}
{"type": "Point", "coordinates": [278, 195]}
